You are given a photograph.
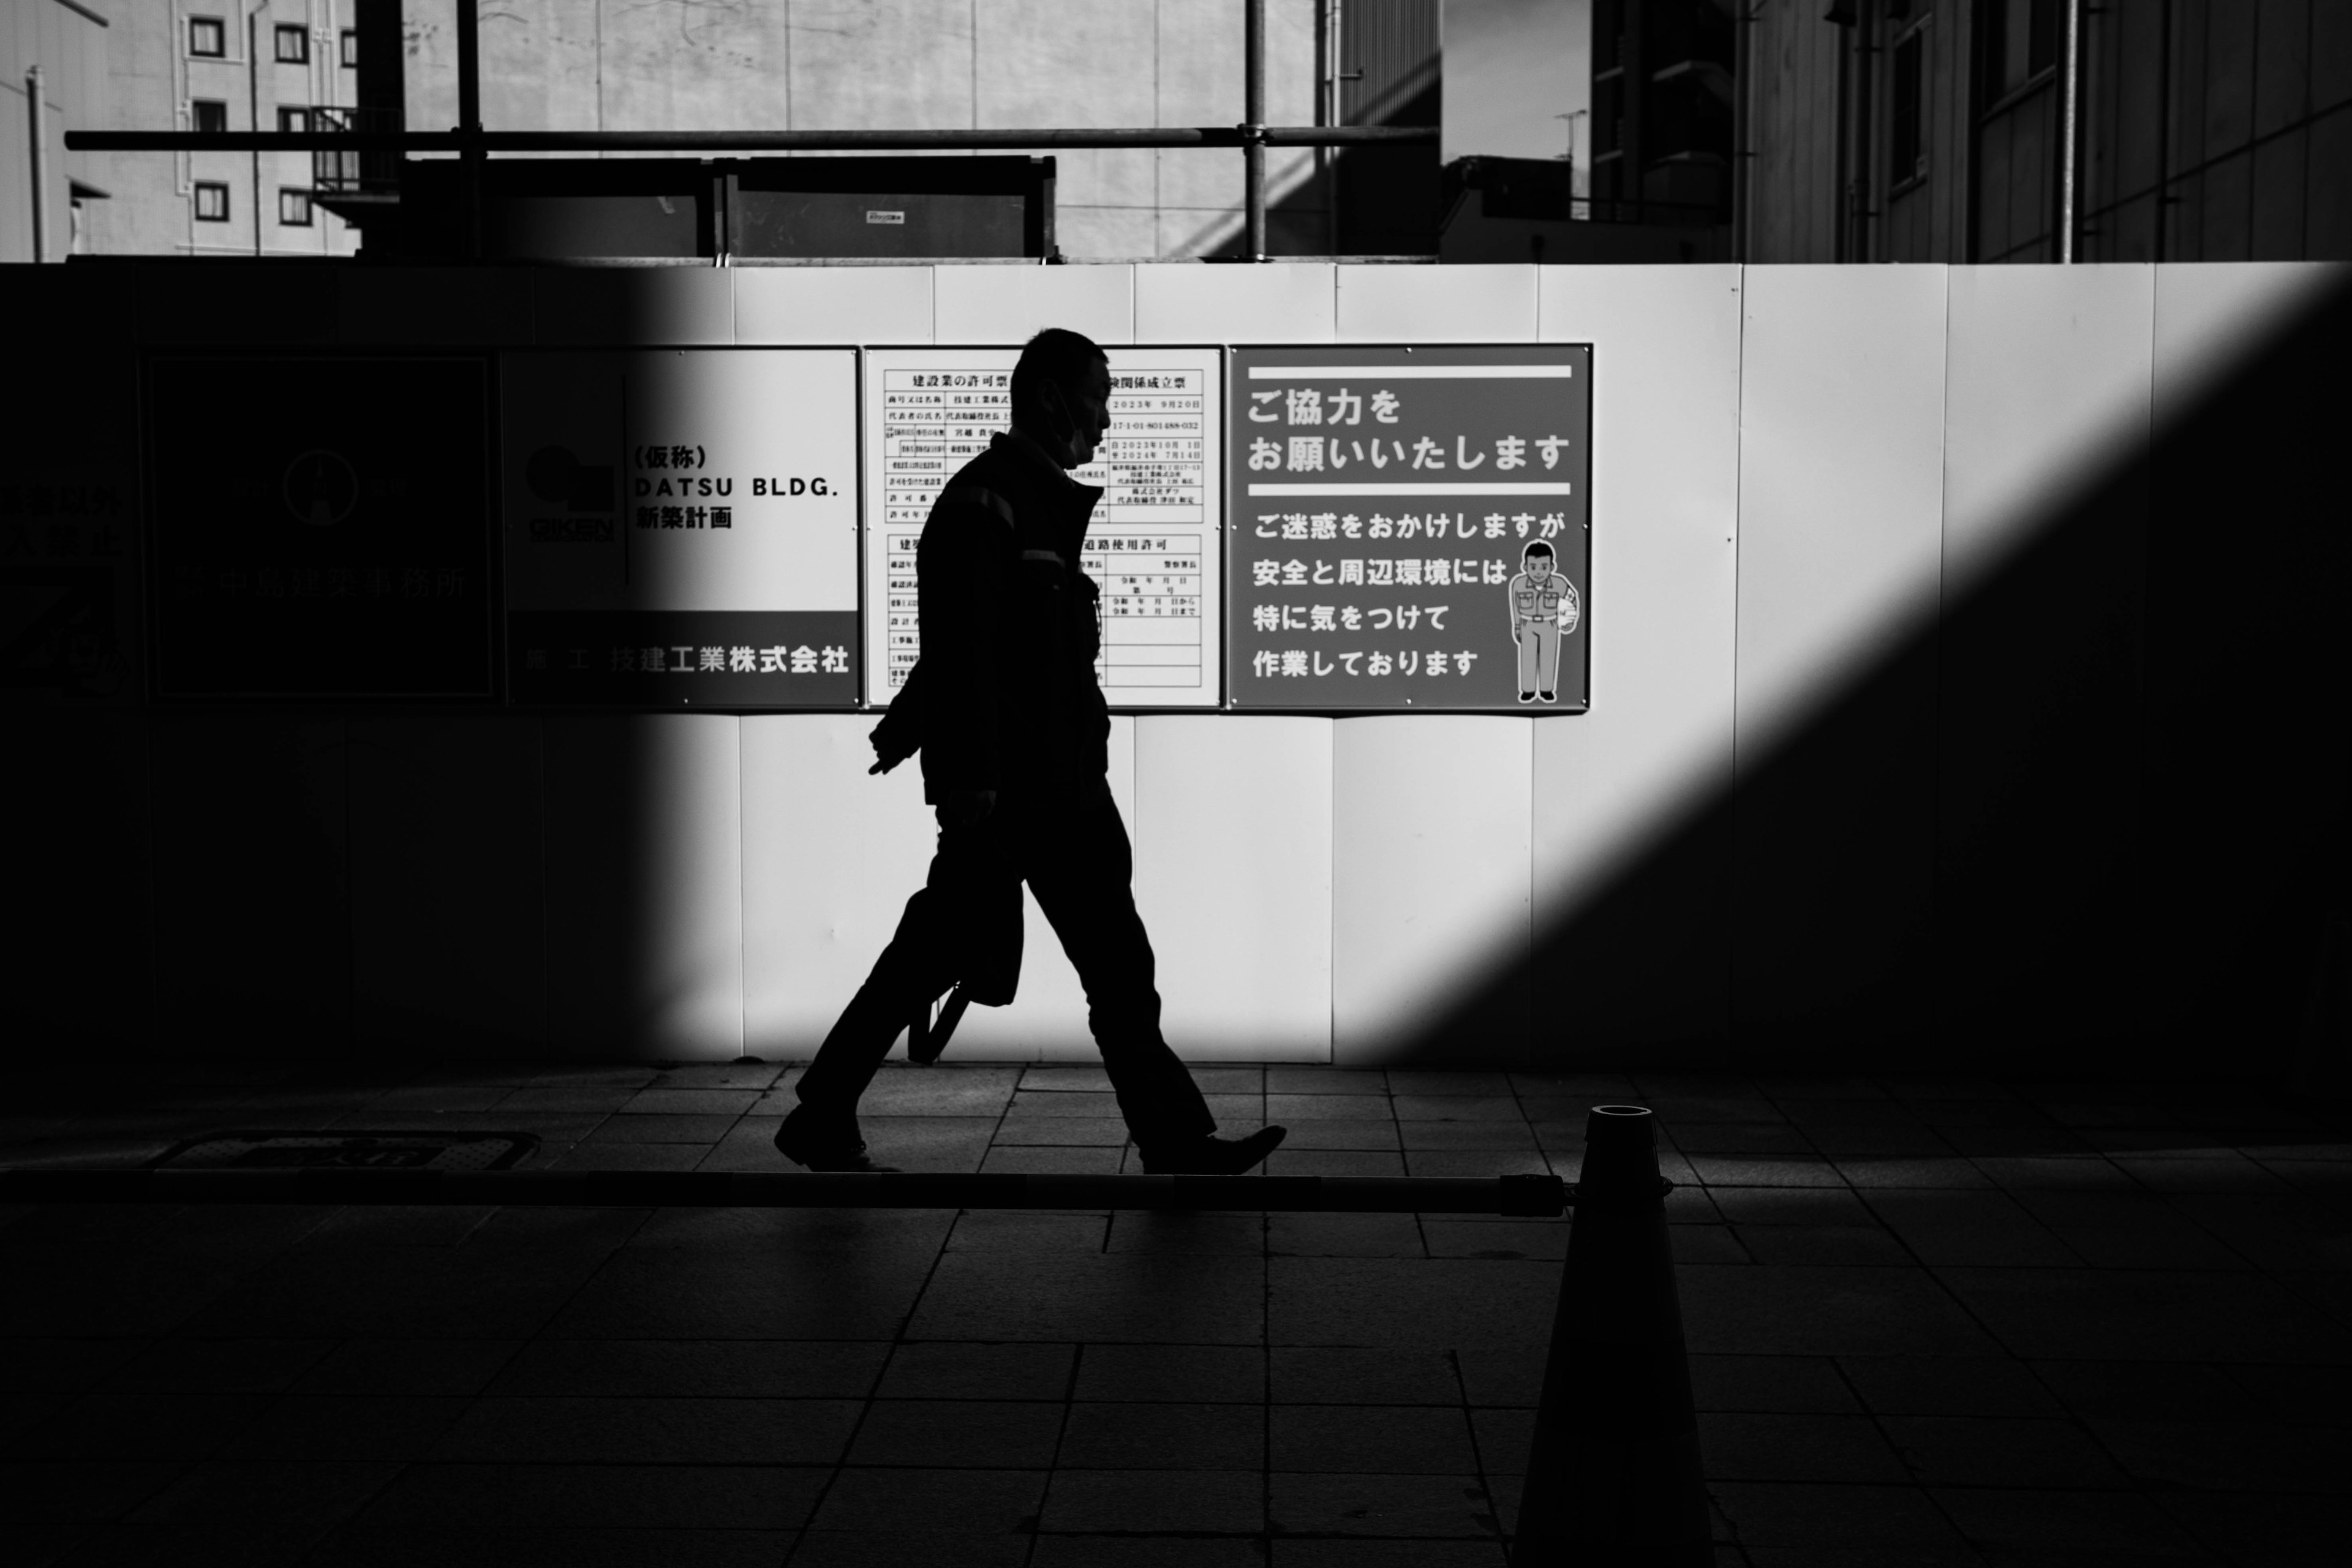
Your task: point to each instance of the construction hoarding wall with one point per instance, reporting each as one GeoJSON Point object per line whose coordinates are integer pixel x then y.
{"type": "Point", "coordinates": [1871, 660]}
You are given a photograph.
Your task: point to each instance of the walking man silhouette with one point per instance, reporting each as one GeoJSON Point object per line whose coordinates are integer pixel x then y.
{"type": "Point", "coordinates": [1015, 736]}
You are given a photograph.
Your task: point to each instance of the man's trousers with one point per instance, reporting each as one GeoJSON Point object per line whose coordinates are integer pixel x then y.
{"type": "Point", "coordinates": [1074, 854]}
{"type": "Point", "coordinates": [1539, 655]}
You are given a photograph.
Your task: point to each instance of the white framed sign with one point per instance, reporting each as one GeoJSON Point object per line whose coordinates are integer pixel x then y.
{"type": "Point", "coordinates": [681, 527]}
{"type": "Point", "coordinates": [1156, 546]}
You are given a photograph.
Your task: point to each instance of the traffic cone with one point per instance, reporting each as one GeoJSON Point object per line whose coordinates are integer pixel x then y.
{"type": "Point", "coordinates": [1613, 1474]}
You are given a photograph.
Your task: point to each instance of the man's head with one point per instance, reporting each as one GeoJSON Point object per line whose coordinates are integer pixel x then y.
{"type": "Point", "coordinates": [1537, 559]}
{"type": "Point", "coordinates": [1061, 395]}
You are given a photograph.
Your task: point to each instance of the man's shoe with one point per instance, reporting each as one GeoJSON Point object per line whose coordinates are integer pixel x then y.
{"type": "Point", "coordinates": [1210, 1156]}
{"type": "Point", "coordinates": [1546, 697]}
{"type": "Point", "coordinates": [1527, 696]}
{"type": "Point", "coordinates": [821, 1142]}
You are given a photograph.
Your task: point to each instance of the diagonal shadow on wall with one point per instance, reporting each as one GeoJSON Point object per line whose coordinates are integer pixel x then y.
{"type": "Point", "coordinates": [2092, 819]}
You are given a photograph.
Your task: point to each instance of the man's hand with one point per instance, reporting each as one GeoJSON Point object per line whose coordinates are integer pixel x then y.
{"type": "Point", "coordinates": [964, 808]}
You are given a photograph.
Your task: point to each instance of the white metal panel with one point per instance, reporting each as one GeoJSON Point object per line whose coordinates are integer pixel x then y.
{"type": "Point", "coordinates": [644, 885]}
{"type": "Point", "coordinates": [1011, 304]}
{"type": "Point", "coordinates": [1233, 874]}
{"type": "Point", "coordinates": [1279, 303]}
{"type": "Point", "coordinates": [1612, 785]}
{"type": "Point", "coordinates": [1841, 481]}
{"type": "Point", "coordinates": [2048, 390]}
{"type": "Point", "coordinates": [618, 306]}
{"type": "Point", "coordinates": [1047, 1021]}
{"type": "Point", "coordinates": [448, 885]}
{"type": "Point", "coordinates": [831, 854]}
{"type": "Point", "coordinates": [461, 306]}
{"type": "Point", "coordinates": [2213, 318]}
{"type": "Point", "coordinates": [1437, 304]}
{"type": "Point", "coordinates": [832, 304]}
{"type": "Point", "coordinates": [1430, 858]}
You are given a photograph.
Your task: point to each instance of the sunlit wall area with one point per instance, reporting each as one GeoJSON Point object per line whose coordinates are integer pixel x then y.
{"type": "Point", "coordinates": [1960, 697]}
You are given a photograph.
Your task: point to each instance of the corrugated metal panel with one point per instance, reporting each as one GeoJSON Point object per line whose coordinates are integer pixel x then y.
{"type": "Point", "coordinates": [1388, 58]}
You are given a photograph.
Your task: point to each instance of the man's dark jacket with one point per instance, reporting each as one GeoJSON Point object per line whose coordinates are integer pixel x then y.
{"type": "Point", "coordinates": [1004, 697]}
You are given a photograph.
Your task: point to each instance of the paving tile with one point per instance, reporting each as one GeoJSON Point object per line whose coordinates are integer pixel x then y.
{"type": "Point", "coordinates": [1290, 1554]}
{"type": "Point", "coordinates": [1021, 1230]}
{"type": "Point", "coordinates": [1337, 1133]}
{"type": "Point", "coordinates": [1229, 1080]}
{"type": "Point", "coordinates": [1783, 1385]}
{"type": "Point", "coordinates": [1144, 1552]}
{"type": "Point", "coordinates": [1718, 1244]}
{"type": "Point", "coordinates": [1854, 1245]}
{"type": "Point", "coordinates": [660, 1127]}
{"type": "Point", "coordinates": [1767, 1514]}
{"type": "Point", "coordinates": [1303, 1375]}
{"type": "Point", "coordinates": [2217, 1171]}
{"type": "Point", "coordinates": [1988, 1228]}
{"type": "Point", "coordinates": [1502, 1107]}
{"type": "Point", "coordinates": [1676, 1109]}
{"type": "Point", "coordinates": [297, 1494]}
{"type": "Point", "coordinates": [1478, 1163]}
{"type": "Point", "coordinates": [1513, 1135]}
{"type": "Point", "coordinates": [730, 1496]}
{"type": "Point", "coordinates": [1750, 1447]}
{"type": "Point", "coordinates": [1404, 1082]}
{"type": "Point", "coordinates": [179, 1365]}
{"type": "Point", "coordinates": [563, 1099]}
{"type": "Point", "coordinates": [1502, 1379]}
{"type": "Point", "coordinates": [2142, 1314]}
{"type": "Point", "coordinates": [1179, 1373]}
{"type": "Point", "coordinates": [228, 1546]}
{"type": "Point", "coordinates": [2020, 1173]}
{"type": "Point", "coordinates": [1037, 1103]}
{"type": "Point", "coordinates": [1083, 1131]}
{"type": "Point", "coordinates": [690, 1102]}
{"type": "Point", "coordinates": [1073, 1077]}
{"type": "Point", "coordinates": [1729, 1171]}
{"type": "Point", "coordinates": [1410, 1302]}
{"type": "Point", "coordinates": [359, 1428]}
{"type": "Point", "coordinates": [1233, 1234]}
{"type": "Point", "coordinates": [422, 1366]}
{"type": "Point", "coordinates": [1293, 1109]}
{"type": "Point", "coordinates": [1288, 1162]}
{"type": "Point", "coordinates": [2158, 1390]}
{"type": "Point", "coordinates": [1506, 1238]}
{"type": "Point", "coordinates": [2306, 1395]}
{"type": "Point", "coordinates": [2000, 1451]}
{"type": "Point", "coordinates": [1166, 1436]}
{"type": "Point", "coordinates": [958, 1434]}
{"type": "Point", "coordinates": [749, 1369]}
{"type": "Point", "coordinates": [1584, 1088]}
{"type": "Point", "coordinates": [2263, 1531]}
{"type": "Point", "coordinates": [1455, 1507]}
{"type": "Point", "coordinates": [1845, 1141]}
{"type": "Point", "coordinates": [1911, 1170]}
{"type": "Point", "coordinates": [1150, 1501]}
{"type": "Point", "coordinates": [957, 1501]}
{"type": "Point", "coordinates": [651, 1292]}
{"type": "Point", "coordinates": [945, 1089]}
{"type": "Point", "coordinates": [1771, 1308]}
{"type": "Point", "coordinates": [895, 1547]}
{"type": "Point", "coordinates": [362, 1546]}
{"type": "Point", "coordinates": [2068, 1521]}
{"type": "Point", "coordinates": [1402, 1439]}
{"type": "Point", "coordinates": [1742, 1138]}
{"type": "Point", "coordinates": [1129, 1297]}
{"type": "Point", "coordinates": [1054, 1160]}
{"type": "Point", "coordinates": [626, 1156]}
{"type": "Point", "coordinates": [607, 1430]}
{"type": "Point", "coordinates": [2127, 1230]}
{"type": "Point", "coordinates": [107, 1426]}
{"type": "Point", "coordinates": [1303, 1079]}
{"type": "Point", "coordinates": [908, 1143]}
{"type": "Point", "coordinates": [54, 1492]}
{"type": "Point", "coordinates": [1949, 1385]}
{"type": "Point", "coordinates": [2240, 1456]}
{"type": "Point", "coordinates": [1030, 1372]}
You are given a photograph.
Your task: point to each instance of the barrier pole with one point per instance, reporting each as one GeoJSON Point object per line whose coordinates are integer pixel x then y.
{"type": "Point", "coordinates": [1613, 1473]}
{"type": "Point", "coordinates": [1253, 125]}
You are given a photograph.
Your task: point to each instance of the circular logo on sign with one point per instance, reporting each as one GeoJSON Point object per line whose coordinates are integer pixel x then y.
{"type": "Point", "coordinates": [321, 488]}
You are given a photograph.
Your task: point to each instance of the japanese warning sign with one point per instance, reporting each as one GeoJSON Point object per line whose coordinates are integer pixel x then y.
{"type": "Point", "coordinates": [1153, 547]}
{"type": "Point", "coordinates": [681, 527]}
{"type": "Point", "coordinates": [1408, 527]}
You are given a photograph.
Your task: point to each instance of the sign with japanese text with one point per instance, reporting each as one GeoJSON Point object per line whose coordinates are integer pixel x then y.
{"type": "Point", "coordinates": [681, 527]}
{"type": "Point", "coordinates": [69, 536]}
{"type": "Point", "coordinates": [320, 526]}
{"type": "Point", "coordinates": [1153, 548]}
{"type": "Point", "coordinates": [1409, 527]}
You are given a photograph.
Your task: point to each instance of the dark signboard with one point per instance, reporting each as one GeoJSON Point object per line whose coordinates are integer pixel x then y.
{"type": "Point", "coordinates": [320, 526]}
{"type": "Point", "coordinates": [1409, 528]}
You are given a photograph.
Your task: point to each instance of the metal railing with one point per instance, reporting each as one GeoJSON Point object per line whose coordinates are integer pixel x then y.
{"type": "Point", "coordinates": [474, 144]}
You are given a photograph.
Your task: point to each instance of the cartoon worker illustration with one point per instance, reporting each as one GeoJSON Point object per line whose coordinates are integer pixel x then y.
{"type": "Point", "coordinates": [1543, 611]}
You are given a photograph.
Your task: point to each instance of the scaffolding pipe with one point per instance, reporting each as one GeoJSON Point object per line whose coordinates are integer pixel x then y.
{"type": "Point", "coordinates": [1253, 126]}
{"type": "Point", "coordinates": [2070, 106]}
{"type": "Point", "coordinates": [40, 166]}
{"type": "Point", "coordinates": [710, 142]}
{"type": "Point", "coordinates": [469, 122]}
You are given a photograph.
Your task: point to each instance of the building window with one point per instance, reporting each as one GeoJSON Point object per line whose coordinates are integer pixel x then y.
{"type": "Point", "coordinates": [1908, 105]}
{"type": "Point", "coordinates": [208, 115]}
{"type": "Point", "coordinates": [294, 121]}
{"type": "Point", "coordinates": [2021, 43]}
{"type": "Point", "coordinates": [208, 37]}
{"type": "Point", "coordinates": [350, 46]}
{"type": "Point", "coordinates": [212, 202]}
{"type": "Point", "coordinates": [293, 45]}
{"type": "Point", "coordinates": [294, 207]}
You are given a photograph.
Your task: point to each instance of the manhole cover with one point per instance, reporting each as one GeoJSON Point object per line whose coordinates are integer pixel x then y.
{"type": "Point", "coordinates": [348, 1150]}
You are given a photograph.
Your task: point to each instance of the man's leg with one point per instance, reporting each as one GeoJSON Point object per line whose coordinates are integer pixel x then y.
{"type": "Point", "coordinates": [1528, 657]}
{"type": "Point", "coordinates": [1078, 862]}
{"type": "Point", "coordinates": [912, 973]}
{"type": "Point", "coordinates": [1548, 660]}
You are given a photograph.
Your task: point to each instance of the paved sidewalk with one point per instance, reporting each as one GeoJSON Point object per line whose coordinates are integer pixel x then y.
{"type": "Point", "coordinates": [1934, 1320]}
